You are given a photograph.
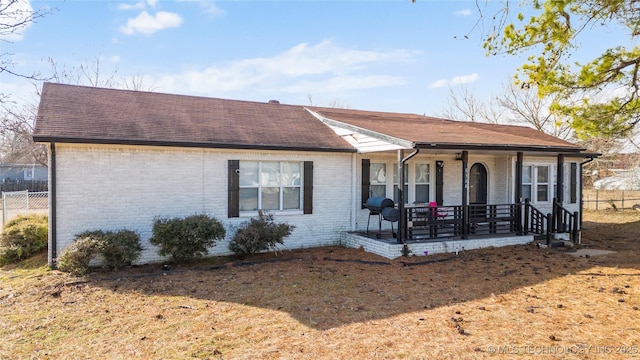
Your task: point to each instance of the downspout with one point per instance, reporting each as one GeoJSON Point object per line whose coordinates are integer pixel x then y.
{"type": "Point", "coordinates": [52, 209]}
{"type": "Point", "coordinates": [402, 223]}
{"type": "Point", "coordinates": [581, 187]}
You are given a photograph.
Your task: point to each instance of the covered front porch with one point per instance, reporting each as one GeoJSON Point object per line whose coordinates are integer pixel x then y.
{"type": "Point", "coordinates": [432, 229]}
{"type": "Point", "coordinates": [457, 185]}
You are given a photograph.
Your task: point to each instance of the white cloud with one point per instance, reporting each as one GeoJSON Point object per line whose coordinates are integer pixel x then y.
{"type": "Point", "coordinates": [138, 5]}
{"type": "Point", "coordinates": [302, 68]}
{"type": "Point", "coordinates": [208, 6]}
{"type": "Point", "coordinates": [211, 8]}
{"type": "Point", "coordinates": [464, 79]}
{"type": "Point", "coordinates": [457, 80]}
{"type": "Point", "coordinates": [464, 12]}
{"type": "Point", "coordinates": [439, 83]}
{"type": "Point", "coordinates": [341, 84]}
{"type": "Point", "coordinates": [147, 24]}
{"type": "Point", "coordinates": [11, 18]}
{"type": "Point", "coordinates": [128, 6]}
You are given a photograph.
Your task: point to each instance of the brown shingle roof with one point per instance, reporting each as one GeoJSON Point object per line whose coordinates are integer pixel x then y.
{"type": "Point", "coordinates": [70, 113]}
{"type": "Point", "coordinates": [95, 115]}
{"type": "Point", "coordinates": [425, 131]}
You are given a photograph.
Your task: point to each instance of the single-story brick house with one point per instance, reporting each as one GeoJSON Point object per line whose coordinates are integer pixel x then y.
{"type": "Point", "coordinates": [119, 159]}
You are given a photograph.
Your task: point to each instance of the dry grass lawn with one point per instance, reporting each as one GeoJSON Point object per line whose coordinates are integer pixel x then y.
{"type": "Point", "coordinates": [335, 303]}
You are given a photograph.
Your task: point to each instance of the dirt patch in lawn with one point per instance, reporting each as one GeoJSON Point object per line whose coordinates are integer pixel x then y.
{"type": "Point", "coordinates": [338, 303]}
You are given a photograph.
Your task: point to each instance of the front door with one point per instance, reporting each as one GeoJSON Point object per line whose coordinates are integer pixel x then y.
{"type": "Point", "coordinates": [477, 184]}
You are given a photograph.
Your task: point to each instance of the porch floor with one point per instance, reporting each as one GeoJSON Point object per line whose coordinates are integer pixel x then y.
{"type": "Point", "coordinates": [386, 245]}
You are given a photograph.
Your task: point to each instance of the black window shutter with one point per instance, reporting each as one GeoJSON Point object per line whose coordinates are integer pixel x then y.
{"type": "Point", "coordinates": [366, 172]}
{"type": "Point", "coordinates": [233, 203]}
{"type": "Point", "coordinates": [573, 191]}
{"type": "Point", "coordinates": [307, 199]}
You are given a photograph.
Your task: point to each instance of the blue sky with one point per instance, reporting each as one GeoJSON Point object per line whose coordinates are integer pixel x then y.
{"type": "Point", "coordinates": [393, 56]}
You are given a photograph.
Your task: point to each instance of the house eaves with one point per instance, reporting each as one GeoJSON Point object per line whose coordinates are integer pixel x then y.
{"type": "Point", "coordinates": [364, 140]}
{"type": "Point", "coordinates": [501, 147]}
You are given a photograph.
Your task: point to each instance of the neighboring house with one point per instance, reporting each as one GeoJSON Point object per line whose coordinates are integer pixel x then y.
{"type": "Point", "coordinates": [621, 180]}
{"type": "Point", "coordinates": [23, 172]}
{"type": "Point", "coordinates": [119, 159]}
{"type": "Point", "coordinates": [18, 177]}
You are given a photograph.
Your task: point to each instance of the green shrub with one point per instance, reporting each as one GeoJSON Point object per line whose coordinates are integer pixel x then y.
{"type": "Point", "coordinates": [185, 239]}
{"type": "Point", "coordinates": [23, 237]}
{"type": "Point", "coordinates": [118, 249]}
{"type": "Point", "coordinates": [259, 235]}
{"type": "Point", "coordinates": [76, 257]}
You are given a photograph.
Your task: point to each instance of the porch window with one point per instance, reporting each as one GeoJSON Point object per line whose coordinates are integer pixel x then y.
{"type": "Point", "coordinates": [535, 183]}
{"type": "Point", "coordinates": [405, 188]}
{"type": "Point", "coordinates": [542, 183]}
{"type": "Point", "coordinates": [378, 179]}
{"type": "Point", "coordinates": [422, 176]}
{"type": "Point", "coordinates": [270, 185]}
{"type": "Point", "coordinates": [417, 181]}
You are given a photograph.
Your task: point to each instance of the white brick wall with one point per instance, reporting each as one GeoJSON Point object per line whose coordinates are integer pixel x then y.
{"type": "Point", "coordinates": [119, 187]}
{"type": "Point", "coordinates": [127, 187]}
{"type": "Point", "coordinates": [393, 251]}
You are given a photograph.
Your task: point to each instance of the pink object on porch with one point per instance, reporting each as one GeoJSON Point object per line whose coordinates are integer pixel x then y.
{"type": "Point", "coordinates": [434, 210]}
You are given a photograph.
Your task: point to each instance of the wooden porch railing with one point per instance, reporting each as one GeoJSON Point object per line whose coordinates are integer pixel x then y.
{"type": "Point", "coordinates": [536, 222]}
{"type": "Point", "coordinates": [564, 221]}
{"type": "Point", "coordinates": [462, 221]}
{"type": "Point", "coordinates": [425, 222]}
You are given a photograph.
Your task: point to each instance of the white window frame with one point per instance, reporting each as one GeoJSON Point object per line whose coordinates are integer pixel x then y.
{"type": "Point", "coordinates": [410, 180]}
{"type": "Point", "coordinates": [551, 182]}
{"type": "Point", "coordinates": [428, 181]}
{"type": "Point", "coordinates": [379, 177]}
{"type": "Point", "coordinates": [259, 186]}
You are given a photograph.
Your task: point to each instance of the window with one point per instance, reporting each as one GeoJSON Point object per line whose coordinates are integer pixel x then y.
{"type": "Point", "coordinates": [378, 180]}
{"type": "Point", "coordinates": [417, 181]}
{"type": "Point", "coordinates": [422, 181]}
{"type": "Point", "coordinates": [542, 183]}
{"type": "Point", "coordinates": [270, 185]}
{"type": "Point", "coordinates": [405, 188]}
{"type": "Point", "coordinates": [28, 174]}
{"type": "Point", "coordinates": [535, 183]}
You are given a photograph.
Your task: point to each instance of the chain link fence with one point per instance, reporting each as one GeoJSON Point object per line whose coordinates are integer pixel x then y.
{"type": "Point", "coordinates": [16, 203]}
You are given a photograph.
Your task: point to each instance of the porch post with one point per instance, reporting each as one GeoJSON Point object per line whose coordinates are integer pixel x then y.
{"type": "Point", "coordinates": [559, 191]}
{"type": "Point", "coordinates": [465, 195]}
{"type": "Point", "coordinates": [518, 190]}
{"type": "Point", "coordinates": [402, 223]}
